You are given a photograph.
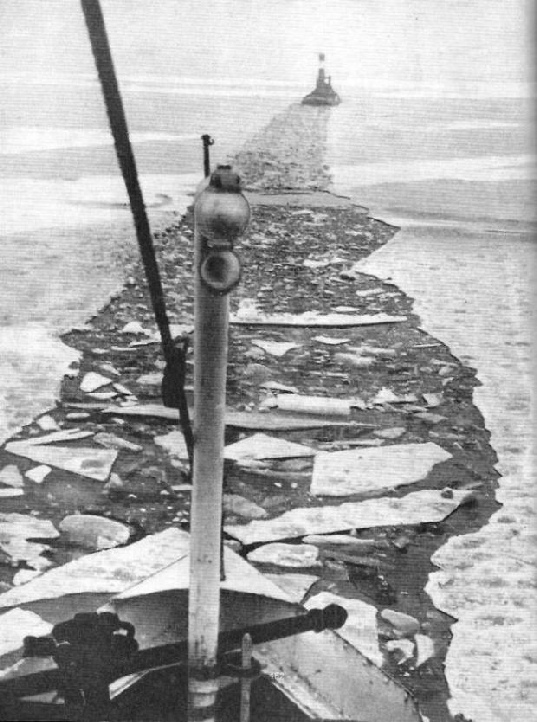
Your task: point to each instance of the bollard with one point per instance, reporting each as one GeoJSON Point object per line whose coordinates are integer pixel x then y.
{"type": "Point", "coordinates": [221, 214]}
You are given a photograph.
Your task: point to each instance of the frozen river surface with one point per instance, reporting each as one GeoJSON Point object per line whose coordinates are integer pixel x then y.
{"type": "Point", "coordinates": [472, 290]}
{"type": "Point", "coordinates": [466, 255]}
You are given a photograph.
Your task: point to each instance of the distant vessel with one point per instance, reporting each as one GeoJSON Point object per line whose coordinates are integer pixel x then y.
{"type": "Point", "coordinates": [323, 94]}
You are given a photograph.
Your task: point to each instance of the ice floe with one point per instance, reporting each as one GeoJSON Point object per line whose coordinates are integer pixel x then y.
{"type": "Point", "coordinates": [261, 446]}
{"type": "Point", "coordinates": [47, 423]}
{"type": "Point", "coordinates": [403, 624]}
{"type": "Point", "coordinates": [93, 381]}
{"type": "Point", "coordinates": [424, 648]}
{"type": "Point", "coordinates": [418, 507]}
{"type": "Point", "coordinates": [67, 435]}
{"type": "Point", "coordinates": [105, 572]}
{"type": "Point", "coordinates": [294, 584]}
{"type": "Point", "coordinates": [15, 625]}
{"type": "Point", "coordinates": [26, 526]}
{"type": "Point", "coordinates": [276, 348]}
{"type": "Point", "coordinates": [310, 319]}
{"type": "Point", "coordinates": [241, 506]}
{"type": "Point", "coordinates": [94, 532]}
{"type": "Point", "coordinates": [356, 471]}
{"type": "Point", "coordinates": [92, 463]}
{"type": "Point", "coordinates": [286, 555]}
{"type": "Point", "coordinates": [39, 473]}
{"type": "Point", "coordinates": [11, 476]}
{"type": "Point", "coordinates": [331, 341]}
{"type": "Point", "coordinates": [319, 405]}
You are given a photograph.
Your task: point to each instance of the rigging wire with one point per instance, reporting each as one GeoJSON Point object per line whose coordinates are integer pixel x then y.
{"type": "Point", "coordinates": [173, 390]}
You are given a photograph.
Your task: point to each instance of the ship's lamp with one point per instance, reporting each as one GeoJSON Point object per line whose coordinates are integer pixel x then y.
{"type": "Point", "coordinates": [221, 214]}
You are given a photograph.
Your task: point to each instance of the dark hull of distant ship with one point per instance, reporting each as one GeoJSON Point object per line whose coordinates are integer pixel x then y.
{"type": "Point", "coordinates": [317, 98]}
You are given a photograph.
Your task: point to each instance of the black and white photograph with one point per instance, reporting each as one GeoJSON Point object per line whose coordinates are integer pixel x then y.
{"type": "Point", "coordinates": [267, 370]}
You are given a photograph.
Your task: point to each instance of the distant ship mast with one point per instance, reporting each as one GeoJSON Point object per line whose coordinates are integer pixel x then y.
{"type": "Point", "coordinates": [323, 94]}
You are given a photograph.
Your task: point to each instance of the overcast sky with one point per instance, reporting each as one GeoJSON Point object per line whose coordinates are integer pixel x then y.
{"type": "Point", "coordinates": [435, 41]}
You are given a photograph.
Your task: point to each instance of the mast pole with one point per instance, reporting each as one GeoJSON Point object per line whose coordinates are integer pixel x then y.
{"type": "Point", "coordinates": [221, 213]}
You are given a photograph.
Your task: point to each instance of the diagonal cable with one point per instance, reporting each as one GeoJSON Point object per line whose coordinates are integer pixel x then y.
{"type": "Point", "coordinates": [175, 358]}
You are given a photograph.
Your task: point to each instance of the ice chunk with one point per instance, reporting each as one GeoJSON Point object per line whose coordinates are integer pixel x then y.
{"type": "Point", "coordinates": [21, 550]}
{"type": "Point", "coordinates": [94, 532]}
{"type": "Point", "coordinates": [39, 473]}
{"type": "Point", "coordinates": [239, 505]}
{"type": "Point", "coordinates": [387, 396]}
{"type": "Point", "coordinates": [237, 419]}
{"type": "Point", "coordinates": [47, 423]}
{"type": "Point", "coordinates": [403, 647]}
{"type": "Point", "coordinates": [112, 441]}
{"type": "Point", "coordinates": [419, 507]}
{"type": "Point", "coordinates": [354, 360]}
{"type": "Point", "coordinates": [313, 320]}
{"type": "Point", "coordinates": [286, 555]}
{"type": "Point", "coordinates": [67, 435]}
{"type": "Point", "coordinates": [320, 405]}
{"type": "Point", "coordinates": [425, 648]}
{"type": "Point", "coordinates": [109, 572]}
{"type": "Point", "coordinates": [356, 471]}
{"type": "Point", "coordinates": [403, 624]}
{"type": "Point", "coordinates": [296, 585]}
{"type": "Point", "coordinates": [92, 463]}
{"type": "Point", "coordinates": [261, 446]}
{"type": "Point", "coordinates": [26, 526]}
{"type": "Point", "coordinates": [93, 381]}
{"type": "Point", "coordinates": [134, 327]}
{"type": "Point", "coordinates": [11, 476]}
{"type": "Point", "coordinates": [174, 444]}
{"type": "Point", "coordinates": [16, 529]}
{"type": "Point", "coordinates": [15, 625]}
{"type": "Point", "coordinates": [276, 348]}
{"type": "Point", "coordinates": [331, 341]}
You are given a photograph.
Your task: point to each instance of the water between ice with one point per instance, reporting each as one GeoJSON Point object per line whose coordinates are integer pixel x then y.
{"type": "Point", "coordinates": [63, 245]}
{"type": "Point", "coordinates": [455, 174]}
{"type": "Point", "coordinates": [466, 254]}
{"type": "Point", "coordinates": [64, 220]}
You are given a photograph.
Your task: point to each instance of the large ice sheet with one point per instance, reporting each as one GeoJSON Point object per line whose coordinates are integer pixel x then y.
{"type": "Point", "coordinates": [313, 320]}
{"type": "Point", "coordinates": [92, 463]}
{"type": "Point", "coordinates": [255, 421]}
{"type": "Point", "coordinates": [415, 508]}
{"type": "Point", "coordinates": [157, 563]}
{"type": "Point", "coordinates": [286, 555]}
{"type": "Point", "coordinates": [26, 526]}
{"type": "Point", "coordinates": [15, 625]}
{"type": "Point", "coordinates": [108, 572]}
{"type": "Point", "coordinates": [341, 473]}
{"type": "Point", "coordinates": [239, 577]}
